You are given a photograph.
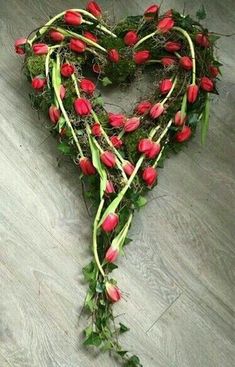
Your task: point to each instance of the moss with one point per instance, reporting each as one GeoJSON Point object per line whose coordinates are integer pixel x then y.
{"type": "Point", "coordinates": [110, 42]}
{"type": "Point", "coordinates": [129, 23]}
{"type": "Point", "coordinates": [36, 65]}
{"type": "Point", "coordinates": [121, 72]}
{"type": "Point", "coordinates": [131, 140]}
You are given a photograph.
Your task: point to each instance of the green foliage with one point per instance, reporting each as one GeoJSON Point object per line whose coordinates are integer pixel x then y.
{"type": "Point", "coordinates": [201, 13]}
{"type": "Point", "coordinates": [120, 72]}
{"type": "Point", "coordinates": [36, 65]}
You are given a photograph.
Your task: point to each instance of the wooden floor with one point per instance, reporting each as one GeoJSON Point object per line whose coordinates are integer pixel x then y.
{"type": "Point", "coordinates": [178, 274]}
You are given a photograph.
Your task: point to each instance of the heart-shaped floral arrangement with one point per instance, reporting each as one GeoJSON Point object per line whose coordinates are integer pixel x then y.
{"type": "Point", "coordinates": [118, 155]}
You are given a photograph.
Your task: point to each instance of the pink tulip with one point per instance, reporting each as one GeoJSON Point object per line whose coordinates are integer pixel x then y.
{"type": "Point", "coordinates": [110, 222]}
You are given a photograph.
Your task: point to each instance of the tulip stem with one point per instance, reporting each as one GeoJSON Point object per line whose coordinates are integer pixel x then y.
{"type": "Point", "coordinates": [56, 85]}
{"type": "Point", "coordinates": [170, 91]}
{"type": "Point", "coordinates": [192, 50]}
{"type": "Point", "coordinates": [95, 245]}
{"type": "Point", "coordinates": [75, 85]}
{"type": "Point", "coordinates": [164, 132]}
{"type": "Point", "coordinates": [144, 39]}
{"type": "Point", "coordinates": [158, 158]}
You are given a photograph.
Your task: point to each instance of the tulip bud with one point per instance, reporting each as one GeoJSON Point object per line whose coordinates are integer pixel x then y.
{"type": "Point", "coordinates": [111, 254]}
{"type": "Point", "coordinates": [72, 18]}
{"type": "Point", "coordinates": [116, 141]}
{"type": "Point", "coordinates": [179, 118]}
{"type": "Point", "coordinates": [128, 168]}
{"type": "Point", "coordinates": [90, 36]}
{"type": "Point", "coordinates": [113, 55]}
{"type": "Point", "coordinates": [149, 148]}
{"type": "Point", "coordinates": [94, 8]}
{"type": "Point", "coordinates": [38, 83]}
{"type": "Point", "coordinates": [154, 151]}
{"type": "Point", "coordinates": [96, 130]}
{"type": "Point", "coordinates": [110, 222]}
{"type": "Point", "coordinates": [151, 11]}
{"type": "Point", "coordinates": [67, 70]}
{"type": "Point", "coordinates": [87, 167]}
{"type": "Point", "coordinates": [149, 176]}
{"type": "Point", "coordinates": [202, 40]}
{"type": "Point", "coordinates": [40, 49]}
{"type": "Point", "coordinates": [20, 46]}
{"type": "Point", "coordinates": [165, 25]}
{"type": "Point", "coordinates": [131, 38]}
{"type": "Point", "coordinates": [96, 68]}
{"type": "Point", "coordinates": [109, 188]}
{"type": "Point", "coordinates": [108, 158]}
{"type": "Point", "coordinates": [165, 86]}
{"type": "Point", "coordinates": [186, 63]}
{"type": "Point", "coordinates": [140, 57]}
{"type": "Point", "coordinates": [214, 71]}
{"type": "Point", "coordinates": [171, 46]}
{"type": "Point", "coordinates": [183, 135]}
{"type": "Point", "coordinates": [82, 106]}
{"type": "Point", "coordinates": [87, 86]}
{"type": "Point", "coordinates": [113, 292]}
{"type": "Point", "coordinates": [192, 93]}
{"type": "Point", "coordinates": [116, 120]}
{"type": "Point", "coordinates": [157, 110]}
{"type": "Point", "coordinates": [206, 84]}
{"type": "Point", "coordinates": [168, 61]}
{"type": "Point", "coordinates": [143, 107]}
{"type": "Point", "coordinates": [56, 36]}
{"type": "Point", "coordinates": [131, 124]}
{"type": "Point", "coordinates": [77, 45]}
{"type": "Point", "coordinates": [54, 114]}
{"type": "Point", "coordinates": [62, 92]}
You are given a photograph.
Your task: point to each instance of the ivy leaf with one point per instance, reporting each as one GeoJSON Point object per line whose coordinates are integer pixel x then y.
{"type": "Point", "coordinates": [123, 328]}
{"type": "Point", "coordinates": [133, 361]}
{"type": "Point", "coordinates": [213, 38]}
{"type": "Point", "coordinates": [201, 13]}
{"type": "Point", "coordinates": [64, 148]}
{"type": "Point", "coordinates": [106, 81]}
{"type": "Point", "coordinates": [141, 201]}
{"type": "Point", "coordinates": [89, 301]}
{"type": "Point", "coordinates": [88, 331]}
{"type": "Point", "coordinates": [90, 271]}
{"type": "Point", "coordinates": [205, 121]}
{"type": "Point", "coordinates": [98, 101]}
{"type": "Point", "coordinates": [93, 339]}
{"type": "Point", "coordinates": [122, 353]}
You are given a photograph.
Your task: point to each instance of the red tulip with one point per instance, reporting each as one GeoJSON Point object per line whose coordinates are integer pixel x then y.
{"type": "Point", "coordinates": [151, 11]}
{"type": "Point", "coordinates": [110, 222]}
{"type": "Point", "coordinates": [116, 141]}
{"type": "Point", "coordinates": [62, 92]}
{"type": "Point", "coordinates": [214, 71]}
{"type": "Point", "coordinates": [206, 84]}
{"type": "Point", "coordinates": [113, 292]}
{"type": "Point", "coordinates": [86, 166]}
{"type": "Point", "coordinates": [109, 188]}
{"type": "Point", "coordinates": [183, 135]}
{"type": "Point", "coordinates": [20, 46]}
{"type": "Point", "coordinates": [108, 159]}
{"type": "Point", "coordinates": [149, 148]}
{"type": "Point", "coordinates": [82, 106]}
{"type": "Point", "coordinates": [67, 70]}
{"type": "Point", "coordinates": [111, 254]}
{"type": "Point", "coordinates": [202, 40]}
{"type": "Point", "coordinates": [40, 49]}
{"type": "Point", "coordinates": [87, 86]}
{"type": "Point", "coordinates": [154, 151]}
{"type": "Point", "coordinates": [149, 176]}
{"type": "Point", "coordinates": [186, 63]}
{"type": "Point", "coordinates": [56, 36]}
{"type": "Point", "coordinates": [172, 46]}
{"type": "Point", "coordinates": [54, 114]}
{"type": "Point", "coordinates": [96, 68]}
{"type": "Point", "coordinates": [94, 8]}
{"type": "Point", "coordinates": [131, 38]}
{"type": "Point", "coordinates": [131, 124]}
{"type": "Point", "coordinates": [143, 107]}
{"type": "Point", "coordinates": [72, 18]}
{"type": "Point", "coordinates": [165, 86]}
{"type": "Point", "coordinates": [156, 110]}
{"type": "Point", "coordinates": [179, 118]}
{"type": "Point", "coordinates": [168, 61]}
{"type": "Point", "coordinates": [192, 93]}
{"type": "Point", "coordinates": [38, 83]}
{"type": "Point", "coordinates": [140, 57]}
{"type": "Point", "coordinates": [128, 168]}
{"type": "Point", "coordinates": [96, 129]}
{"type": "Point", "coordinates": [165, 25]}
{"type": "Point", "coordinates": [116, 119]}
{"type": "Point", "coordinates": [168, 13]}
{"type": "Point", "coordinates": [77, 45]}
{"type": "Point", "coordinates": [113, 55]}
{"type": "Point", "coordinates": [90, 36]}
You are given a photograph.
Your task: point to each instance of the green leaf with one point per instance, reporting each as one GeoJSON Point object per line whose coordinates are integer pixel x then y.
{"type": "Point", "coordinates": [106, 81]}
{"type": "Point", "coordinates": [141, 201]}
{"type": "Point", "coordinates": [123, 328]}
{"type": "Point", "coordinates": [89, 301]}
{"type": "Point", "coordinates": [88, 331]}
{"type": "Point", "coordinates": [118, 241]}
{"type": "Point", "coordinates": [213, 38]}
{"type": "Point", "coordinates": [122, 353]}
{"type": "Point", "coordinates": [90, 271]}
{"type": "Point", "coordinates": [205, 120]}
{"type": "Point", "coordinates": [93, 339]}
{"type": "Point", "coordinates": [61, 123]}
{"type": "Point", "coordinates": [64, 148]}
{"type": "Point", "coordinates": [98, 101]}
{"type": "Point", "coordinates": [201, 13]}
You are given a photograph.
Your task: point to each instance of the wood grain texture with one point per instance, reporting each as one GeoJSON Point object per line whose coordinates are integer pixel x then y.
{"type": "Point", "coordinates": [178, 274]}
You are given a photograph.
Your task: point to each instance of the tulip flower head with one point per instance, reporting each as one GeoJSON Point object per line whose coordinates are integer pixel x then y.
{"type": "Point", "coordinates": [110, 222]}
{"type": "Point", "coordinates": [113, 292]}
{"type": "Point", "coordinates": [149, 176]}
{"type": "Point", "coordinates": [128, 168]}
{"type": "Point", "coordinates": [20, 46]}
{"type": "Point", "coordinates": [131, 124]}
{"type": "Point", "coordinates": [77, 45]}
{"type": "Point", "coordinates": [82, 107]}
{"type": "Point", "coordinates": [165, 86]}
{"type": "Point", "coordinates": [157, 110]}
{"type": "Point", "coordinates": [131, 38]}
{"type": "Point", "coordinates": [40, 49]}
{"type": "Point", "coordinates": [56, 36]}
{"type": "Point", "coordinates": [108, 159]}
{"type": "Point", "coordinates": [67, 70]}
{"type": "Point", "coordinates": [141, 57]}
{"type": "Point", "coordinates": [206, 84]}
{"type": "Point", "coordinates": [73, 18]}
{"type": "Point", "coordinates": [165, 25]}
{"type": "Point", "coordinates": [113, 55]}
{"type": "Point", "coordinates": [172, 46]}
{"type": "Point", "coordinates": [87, 86]}
{"type": "Point", "coordinates": [116, 141]}
{"type": "Point", "coordinates": [94, 8]}
{"type": "Point", "coordinates": [87, 167]}
{"type": "Point", "coordinates": [54, 114]}
{"type": "Point", "coordinates": [111, 254]}
{"type": "Point", "coordinates": [90, 36]}
{"type": "Point", "coordinates": [143, 107]}
{"type": "Point", "coordinates": [96, 130]}
{"type": "Point", "coordinates": [116, 120]}
{"type": "Point", "coordinates": [183, 135]}
{"type": "Point", "coordinates": [192, 93]}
